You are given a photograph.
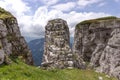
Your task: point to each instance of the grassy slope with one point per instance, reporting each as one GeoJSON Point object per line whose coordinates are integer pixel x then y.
{"type": "Point", "coordinates": [88, 22]}
{"type": "Point", "coordinates": [21, 71]}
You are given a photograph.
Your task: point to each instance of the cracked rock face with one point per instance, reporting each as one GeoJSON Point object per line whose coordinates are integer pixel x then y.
{"type": "Point", "coordinates": [12, 43]}
{"type": "Point", "coordinates": [110, 58]}
{"type": "Point", "coordinates": [98, 43]}
{"type": "Point", "coordinates": [57, 52]}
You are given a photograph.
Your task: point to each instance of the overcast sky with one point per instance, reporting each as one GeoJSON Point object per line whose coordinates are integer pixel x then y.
{"type": "Point", "coordinates": [33, 15]}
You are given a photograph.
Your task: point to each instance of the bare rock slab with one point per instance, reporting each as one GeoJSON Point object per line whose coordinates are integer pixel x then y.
{"type": "Point", "coordinates": [57, 52]}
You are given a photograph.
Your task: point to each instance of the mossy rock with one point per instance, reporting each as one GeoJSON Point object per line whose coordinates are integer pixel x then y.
{"type": "Point", "coordinates": [0, 46]}
{"type": "Point", "coordinates": [88, 22]}
{"type": "Point", "coordinates": [5, 14]}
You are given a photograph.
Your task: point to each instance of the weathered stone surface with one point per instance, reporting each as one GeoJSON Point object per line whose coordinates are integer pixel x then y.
{"type": "Point", "coordinates": [97, 42]}
{"type": "Point", "coordinates": [11, 41]}
{"type": "Point", "coordinates": [1, 56]}
{"type": "Point", "coordinates": [57, 52]}
{"type": "Point", "coordinates": [110, 58]}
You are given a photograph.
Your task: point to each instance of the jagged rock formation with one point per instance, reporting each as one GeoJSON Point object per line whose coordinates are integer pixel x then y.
{"type": "Point", "coordinates": [110, 58]}
{"type": "Point", "coordinates": [12, 44]}
{"type": "Point", "coordinates": [57, 52]}
{"type": "Point", "coordinates": [97, 42]}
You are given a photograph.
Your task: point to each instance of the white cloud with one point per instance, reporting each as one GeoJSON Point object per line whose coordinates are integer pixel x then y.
{"type": "Point", "coordinates": [74, 18]}
{"type": "Point", "coordinates": [33, 25]}
{"type": "Point", "coordinates": [14, 7]}
{"type": "Point", "coordinates": [19, 11]}
{"type": "Point", "coordinates": [64, 6]}
{"type": "Point", "coordinates": [84, 3]}
{"type": "Point", "coordinates": [50, 2]}
{"type": "Point", "coordinates": [42, 16]}
{"type": "Point", "coordinates": [102, 4]}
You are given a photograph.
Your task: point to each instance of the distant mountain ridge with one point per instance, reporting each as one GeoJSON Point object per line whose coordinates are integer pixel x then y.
{"type": "Point", "coordinates": [37, 48]}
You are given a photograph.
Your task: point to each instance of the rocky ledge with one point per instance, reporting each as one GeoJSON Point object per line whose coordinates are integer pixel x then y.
{"type": "Point", "coordinates": [12, 44]}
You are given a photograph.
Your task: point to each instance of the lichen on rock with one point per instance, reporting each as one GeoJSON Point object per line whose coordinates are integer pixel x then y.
{"type": "Point", "coordinates": [57, 52]}
{"type": "Point", "coordinates": [96, 41]}
{"type": "Point", "coordinates": [110, 58]}
{"type": "Point", "coordinates": [4, 14]}
{"type": "Point", "coordinates": [11, 41]}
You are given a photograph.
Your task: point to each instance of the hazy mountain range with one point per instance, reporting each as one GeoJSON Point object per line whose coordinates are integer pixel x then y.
{"type": "Point", "coordinates": [37, 49]}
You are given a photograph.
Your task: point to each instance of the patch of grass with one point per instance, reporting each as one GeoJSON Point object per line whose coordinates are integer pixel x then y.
{"type": "Point", "coordinates": [107, 18]}
{"type": "Point", "coordinates": [88, 22]}
{"type": "Point", "coordinates": [4, 14]}
{"type": "Point", "coordinates": [20, 71]}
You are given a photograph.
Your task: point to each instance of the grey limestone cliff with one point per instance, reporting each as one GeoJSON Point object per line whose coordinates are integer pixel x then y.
{"type": "Point", "coordinates": [57, 52]}
{"type": "Point", "coordinates": [12, 44]}
{"type": "Point", "coordinates": [110, 58]}
{"type": "Point", "coordinates": [97, 42]}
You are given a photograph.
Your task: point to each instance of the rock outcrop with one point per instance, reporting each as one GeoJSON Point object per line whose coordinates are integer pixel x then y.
{"type": "Point", "coordinates": [57, 52]}
{"type": "Point", "coordinates": [110, 58]}
{"type": "Point", "coordinates": [97, 43]}
{"type": "Point", "coordinates": [12, 44]}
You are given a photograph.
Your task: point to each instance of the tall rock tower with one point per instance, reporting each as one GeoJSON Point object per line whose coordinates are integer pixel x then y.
{"type": "Point", "coordinates": [12, 44]}
{"type": "Point", "coordinates": [57, 52]}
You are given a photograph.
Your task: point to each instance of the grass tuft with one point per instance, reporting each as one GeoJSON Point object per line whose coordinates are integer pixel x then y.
{"type": "Point", "coordinates": [20, 71]}
{"type": "Point", "coordinates": [88, 22]}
